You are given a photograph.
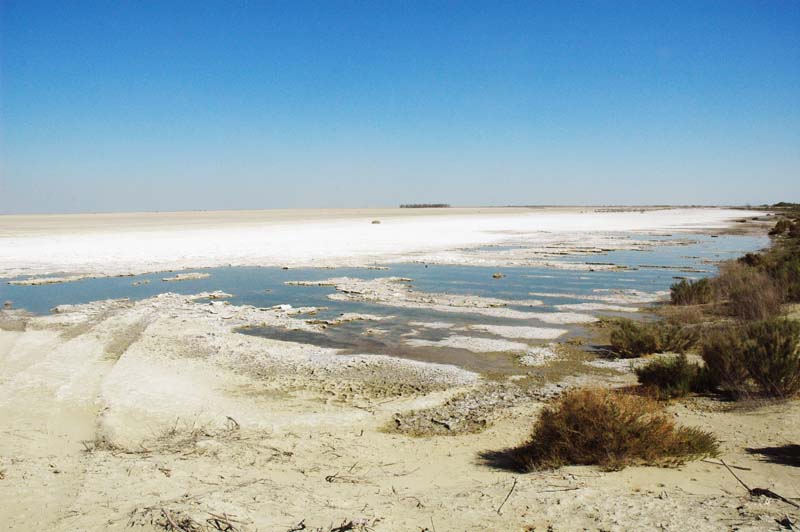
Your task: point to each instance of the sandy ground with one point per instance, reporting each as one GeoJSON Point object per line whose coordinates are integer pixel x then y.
{"type": "Point", "coordinates": [118, 414]}
{"type": "Point", "coordinates": [115, 244]}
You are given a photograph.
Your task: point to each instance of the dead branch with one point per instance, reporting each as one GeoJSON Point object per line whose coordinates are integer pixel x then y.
{"type": "Point", "coordinates": [298, 527]}
{"type": "Point", "coordinates": [756, 492]}
{"type": "Point", "coordinates": [514, 485]}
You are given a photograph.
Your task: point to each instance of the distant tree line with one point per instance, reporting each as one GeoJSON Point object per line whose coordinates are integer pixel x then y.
{"type": "Point", "coordinates": [424, 205]}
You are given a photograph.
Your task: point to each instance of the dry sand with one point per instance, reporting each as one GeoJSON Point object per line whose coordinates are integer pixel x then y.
{"type": "Point", "coordinates": [115, 412]}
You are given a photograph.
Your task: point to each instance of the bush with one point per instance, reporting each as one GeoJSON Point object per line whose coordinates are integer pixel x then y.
{"type": "Point", "coordinates": [630, 339]}
{"type": "Point", "coordinates": [786, 274]}
{"type": "Point", "coordinates": [754, 260]}
{"type": "Point", "coordinates": [669, 377]}
{"type": "Point", "coordinates": [686, 292]}
{"type": "Point", "coordinates": [771, 354]}
{"type": "Point", "coordinates": [612, 430]}
{"type": "Point", "coordinates": [675, 338]}
{"type": "Point", "coordinates": [724, 370]}
{"type": "Point", "coordinates": [750, 293]}
{"type": "Point", "coordinates": [781, 227]}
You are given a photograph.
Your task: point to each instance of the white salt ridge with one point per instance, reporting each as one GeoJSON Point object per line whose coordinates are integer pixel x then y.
{"type": "Point", "coordinates": [523, 333]}
{"type": "Point", "coordinates": [611, 296]}
{"type": "Point", "coordinates": [471, 343]}
{"type": "Point", "coordinates": [538, 356]}
{"type": "Point", "coordinates": [187, 277]}
{"type": "Point", "coordinates": [596, 306]}
{"type": "Point", "coordinates": [432, 324]}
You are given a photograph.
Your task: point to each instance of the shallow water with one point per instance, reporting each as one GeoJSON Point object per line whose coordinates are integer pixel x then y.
{"type": "Point", "coordinates": [647, 271]}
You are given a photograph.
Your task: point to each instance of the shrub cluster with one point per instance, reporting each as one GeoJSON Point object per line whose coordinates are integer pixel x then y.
{"type": "Point", "coordinates": [754, 286]}
{"type": "Point", "coordinates": [631, 339]}
{"type": "Point", "coordinates": [612, 430]}
{"type": "Point", "coordinates": [763, 356]}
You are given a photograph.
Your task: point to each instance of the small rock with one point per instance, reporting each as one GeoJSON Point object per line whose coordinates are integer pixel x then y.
{"type": "Point", "coordinates": [7, 305]}
{"type": "Point", "coordinates": [497, 275]}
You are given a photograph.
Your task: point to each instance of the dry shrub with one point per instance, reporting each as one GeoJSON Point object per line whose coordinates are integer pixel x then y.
{"type": "Point", "coordinates": [612, 430]}
{"type": "Point", "coordinates": [751, 294]}
{"type": "Point", "coordinates": [686, 292]}
{"type": "Point", "coordinates": [669, 377]}
{"type": "Point", "coordinates": [771, 354]}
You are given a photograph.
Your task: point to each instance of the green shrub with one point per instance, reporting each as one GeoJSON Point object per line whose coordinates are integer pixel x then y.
{"type": "Point", "coordinates": [771, 354]}
{"type": "Point", "coordinates": [786, 274]}
{"type": "Point", "coordinates": [669, 377]}
{"type": "Point", "coordinates": [631, 339]}
{"type": "Point", "coordinates": [612, 430]}
{"type": "Point", "coordinates": [724, 369]}
{"type": "Point", "coordinates": [686, 292]}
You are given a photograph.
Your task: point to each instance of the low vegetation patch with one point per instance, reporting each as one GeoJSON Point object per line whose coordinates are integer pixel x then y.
{"type": "Point", "coordinates": [724, 371]}
{"type": "Point", "coordinates": [612, 430]}
{"type": "Point", "coordinates": [771, 354]}
{"type": "Point", "coordinates": [747, 348]}
{"type": "Point", "coordinates": [747, 293]}
{"type": "Point", "coordinates": [688, 292]}
{"type": "Point", "coordinates": [761, 357]}
{"type": "Point", "coordinates": [669, 377]}
{"type": "Point", "coordinates": [632, 339]}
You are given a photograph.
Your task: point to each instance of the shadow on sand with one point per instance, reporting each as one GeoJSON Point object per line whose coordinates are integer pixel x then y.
{"type": "Point", "coordinates": [783, 454]}
{"type": "Point", "coordinates": [505, 459]}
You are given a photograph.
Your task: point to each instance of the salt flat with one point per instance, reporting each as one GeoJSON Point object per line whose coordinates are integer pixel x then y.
{"type": "Point", "coordinates": [113, 244]}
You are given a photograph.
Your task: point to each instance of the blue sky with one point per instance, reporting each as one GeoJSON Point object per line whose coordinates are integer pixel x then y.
{"type": "Point", "coordinates": [120, 106]}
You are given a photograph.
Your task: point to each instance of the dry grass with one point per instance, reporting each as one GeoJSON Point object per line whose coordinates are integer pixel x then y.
{"type": "Point", "coordinates": [609, 429]}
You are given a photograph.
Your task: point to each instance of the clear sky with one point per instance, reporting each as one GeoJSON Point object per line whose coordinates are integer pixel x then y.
{"type": "Point", "coordinates": [168, 105]}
